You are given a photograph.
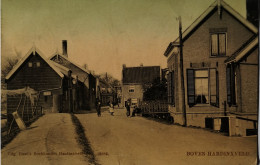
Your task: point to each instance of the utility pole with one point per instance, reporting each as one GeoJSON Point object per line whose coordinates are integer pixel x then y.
{"type": "Point", "coordinates": [182, 77]}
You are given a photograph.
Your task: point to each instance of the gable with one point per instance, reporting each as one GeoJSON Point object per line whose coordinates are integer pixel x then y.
{"type": "Point", "coordinates": [82, 74]}
{"type": "Point", "coordinates": [205, 16]}
{"type": "Point", "coordinates": [198, 43]}
{"type": "Point", "coordinates": [32, 52]}
{"type": "Point", "coordinates": [36, 73]}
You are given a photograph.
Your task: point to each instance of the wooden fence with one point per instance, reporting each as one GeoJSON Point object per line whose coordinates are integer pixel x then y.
{"type": "Point", "coordinates": [155, 109]}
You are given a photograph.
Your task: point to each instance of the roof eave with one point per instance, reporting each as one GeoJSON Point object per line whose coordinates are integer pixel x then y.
{"type": "Point", "coordinates": [243, 52]}
{"type": "Point", "coordinates": [243, 20]}
{"type": "Point", "coordinates": [32, 51]}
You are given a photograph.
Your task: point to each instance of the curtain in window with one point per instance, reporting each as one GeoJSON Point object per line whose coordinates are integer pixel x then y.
{"type": "Point", "coordinates": [214, 44]}
{"type": "Point", "coordinates": [222, 44]}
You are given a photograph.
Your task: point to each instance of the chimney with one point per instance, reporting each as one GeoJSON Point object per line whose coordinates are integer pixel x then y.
{"type": "Point", "coordinates": [252, 11]}
{"type": "Point", "coordinates": [124, 65]}
{"type": "Point", "coordinates": [64, 48]}
{"type": "Point", "coordinates": [141, 64]}
{"type": "Point", "coordinates": [85, 66]}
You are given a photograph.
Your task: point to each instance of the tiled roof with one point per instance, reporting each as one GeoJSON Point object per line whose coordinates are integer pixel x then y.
{"type": "Point", "coordinates": [143, 74]}
{"type": "Point", "coordinates": [75, 68]}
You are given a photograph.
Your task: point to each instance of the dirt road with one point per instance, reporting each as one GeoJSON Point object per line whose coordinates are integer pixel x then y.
{"type": "Point", "coordinates": [118, 140]}
{"type": "Point", "coordinates": [51, 140]}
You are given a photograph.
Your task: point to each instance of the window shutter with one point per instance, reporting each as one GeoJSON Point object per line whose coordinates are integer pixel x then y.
{"type": "Point", "coordinates": [228, 75]}
{"type": "Point", "coordinates": [232, 84]}
{"type": "Point", "coordinates": [214, 87]}
{"type": "Point", "coordinates": [217, 79]}
{"type": "Point", "coordinates": [172, 88]}
{"type": "Point", "coordinates": [168, 87]}
{"type": "Point", "coordinates": [190, 87]}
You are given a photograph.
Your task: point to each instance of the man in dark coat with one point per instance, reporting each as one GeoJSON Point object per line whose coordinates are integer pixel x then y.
{"type": "Point", "coordinates": [128, 108]}
{"type": "Point", "coordinates": [98, 107]}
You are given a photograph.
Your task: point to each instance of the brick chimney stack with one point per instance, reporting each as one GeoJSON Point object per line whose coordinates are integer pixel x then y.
{"type": "Point", "coordinates": [64, 48]}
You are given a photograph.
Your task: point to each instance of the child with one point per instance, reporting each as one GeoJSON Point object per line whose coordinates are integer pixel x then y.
{"type": "Point", "coordinates": [111, 109]}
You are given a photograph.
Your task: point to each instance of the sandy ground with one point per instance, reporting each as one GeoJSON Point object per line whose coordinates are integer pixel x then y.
{"type": "Point", "coordinates": [118, 140]}
{"type": "Point", "coordinates": [52, 134]}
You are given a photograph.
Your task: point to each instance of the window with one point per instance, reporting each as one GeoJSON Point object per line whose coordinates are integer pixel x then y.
{"type": "Point", "coordinates": [45, 99]}
{"type": "Point", "coordinates": [131, 89]}
{"type": "Point", "coordinates": [170, 87]}
{"type": "Point", "coordinates": [29, 64]}
{"type": "Point", "coordinates": [134, 101]}
{"type": "Point", "coordinates": [202, 87]}
{"type": "Point", "coordinates": [218, 44]}
{"type": "Point", "coordinates": [38, 64]}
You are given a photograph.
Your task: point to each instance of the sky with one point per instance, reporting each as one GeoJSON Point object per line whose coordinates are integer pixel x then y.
{"type": "Point", "coordinates": [104, 34]}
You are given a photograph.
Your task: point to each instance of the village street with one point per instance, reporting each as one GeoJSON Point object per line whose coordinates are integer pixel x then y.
{"type": "Point", "coordinates": [118, 140]}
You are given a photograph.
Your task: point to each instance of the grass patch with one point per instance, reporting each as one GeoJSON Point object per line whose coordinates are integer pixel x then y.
{"type": "Point", "coordinates": [6, 139]}
{"type": "Point", "coordinates": [83, 141]}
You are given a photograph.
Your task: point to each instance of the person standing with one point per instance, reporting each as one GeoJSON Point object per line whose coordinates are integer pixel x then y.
{"type": "Point", "coordinates": [111, 109]}
{"type": "Point", "coordinates": [134, 111]}
{"type": "Point", "coordinates": [128, 109]}
{"type": "Point", "coordinates": [98, 107]}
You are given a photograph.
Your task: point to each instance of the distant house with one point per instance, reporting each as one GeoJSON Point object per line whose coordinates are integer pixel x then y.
{"type": "Point", "coordinates": [107, 93]}
{"type": "Point", "coordinates": [220, 60]}
{"type": "Point", "coordinates": [86, 82]}
{"type": "Point", "coordinates": [134, 79]}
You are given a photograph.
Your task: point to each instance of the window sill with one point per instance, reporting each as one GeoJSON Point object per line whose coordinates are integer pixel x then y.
{"type": "Point", "coordinates": [217, 56]}
{"type": "Point", "coordinates": [203, 105]}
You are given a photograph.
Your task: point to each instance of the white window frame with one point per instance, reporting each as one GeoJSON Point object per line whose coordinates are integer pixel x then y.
{"type": "Point", "coordinates": [210, 40]}
{"type": "Point", "coordinates": [131, 89]}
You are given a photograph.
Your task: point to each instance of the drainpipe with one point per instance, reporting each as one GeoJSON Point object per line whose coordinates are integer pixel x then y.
{"type": "Point", "coordinates": [70, 92]}
{"type": "Point", "coordinates": [182, 76]}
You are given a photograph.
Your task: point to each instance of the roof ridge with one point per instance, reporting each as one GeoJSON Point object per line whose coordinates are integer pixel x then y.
{"type": "Point", "coordinates": [197, 21]}
{"type": "Point", "coordinates": [23, 59]}
{"type": "Point", "coordinates": [74, 63]}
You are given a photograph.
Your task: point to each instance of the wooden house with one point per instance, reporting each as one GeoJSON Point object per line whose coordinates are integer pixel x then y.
{"type": "Point", "coordinates": [86, 88]}
{"type": "Point", "coordinates": [210, 44]}
{"type": "Point", "coordinates": [62, 85]}
{"type": "Point", "coordinates": [51, 82]}
{"type": "Point", "coordinates": [134, 79]}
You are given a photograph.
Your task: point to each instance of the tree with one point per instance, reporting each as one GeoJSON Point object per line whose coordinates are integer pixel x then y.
{"type": "Point", "coordinates": [108, 79]}
{"type": "Point", "coordinates": [155, 91]}
{"type": "Point", "coordinates": [7, 65]}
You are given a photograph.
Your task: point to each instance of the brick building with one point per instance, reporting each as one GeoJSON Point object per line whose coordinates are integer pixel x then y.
{"type": "Point", "coordinates": [219, 35]}
{"type": "Point", "coordinates": [134, 79]}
